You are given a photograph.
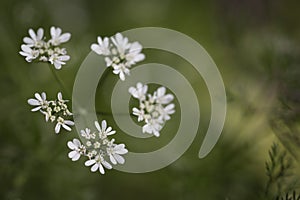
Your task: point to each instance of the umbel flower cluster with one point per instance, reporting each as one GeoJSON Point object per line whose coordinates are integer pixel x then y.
{"type": "Point", "coordinates": [119, 53]}
{"type": "Point", "coordinates": [154, 109]}
{"type": "Point", "coordinates": [54, 110]}
{"type": "Point", "coordinates": [37, 48]}
{"type": "Point", "coordinates": [98, 148]}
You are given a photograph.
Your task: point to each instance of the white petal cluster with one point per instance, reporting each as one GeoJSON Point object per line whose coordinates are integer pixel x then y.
{"type": "Point", "coordinates": [37, 48]}
{"type": "Point", "coordinates": [119, 53]}
{"type": "Point", "coordinates": [98, 148]}
{"type": "Point", "coordinates": [153, 109]}
{"type": "Point", "coordinates": [53, 110]}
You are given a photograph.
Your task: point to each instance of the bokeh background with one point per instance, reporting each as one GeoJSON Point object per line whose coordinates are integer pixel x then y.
{"type": "Point", "coordinates": [254, 43]}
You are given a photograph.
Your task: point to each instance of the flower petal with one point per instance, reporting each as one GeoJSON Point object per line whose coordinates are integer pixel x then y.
{"type": "Point", "coordinates": [76, 142]}
{"type": "Point", "coordinates": [76, 156]}
{"type": "Point", "coordinates": [97, 126]}
{"type": "Point", "coordinates": [95, 167]}
{"type": "Point", "coordinates": [89, 162]}
{"type": "Point", "coordinates": [57, 128]}
{"type": "Point", "coordinates": [119, 159]}
{"type": "Point", "coordinates": [71, 154]}
{"type": "Point", "coordinates": [66, 127]}
{"type": "Point", "coordinates": [71, 145]}
{"type": "Point", "coordinates": [112, 159]}
{"type": "Point", "coordinates": [33, 102]}
{"type": "Point", "coordinates": [103, 125]}
{"type": "Point", "coordinates": [101, 169]}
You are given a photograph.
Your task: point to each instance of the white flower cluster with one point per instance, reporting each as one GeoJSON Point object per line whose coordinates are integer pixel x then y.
{"type": "Point", "coordinates": [54, 110]}
{"type": "Point", "coordinates": [154, 109]}
{"type": "Point", "coordinates": [97, 147]}
{"type": "Point", "coordinates": [119, 53]}
{"type": "Point", "coordinates": [36, 47]}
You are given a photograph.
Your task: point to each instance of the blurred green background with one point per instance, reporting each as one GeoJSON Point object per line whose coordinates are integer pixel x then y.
{"type": "Point", "coordinates": [254, 43]}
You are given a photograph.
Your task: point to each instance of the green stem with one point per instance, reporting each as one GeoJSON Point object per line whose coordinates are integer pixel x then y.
{"type": "Point", "coordinates": [59, 81]}
{"type": "Point", "coordinates": [62, 85]}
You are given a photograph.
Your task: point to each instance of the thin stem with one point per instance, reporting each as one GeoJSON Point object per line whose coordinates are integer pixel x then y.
{"type": "Point", "coordinates": [59, 81]}
{"type": "Point", "coordinates": [62, 85]}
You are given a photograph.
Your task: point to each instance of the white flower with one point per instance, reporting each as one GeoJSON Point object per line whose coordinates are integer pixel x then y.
{"type": "Point", "coordinates": [139, 113]}
{"type": "Point", "coordinates": [115, 153]}
{"type": "Point", "coordinates": [36, 47]}
{"type": "Point", "coordinates": [60, 99]}
{"type": "Point", "coordinates": [58, 60]}
{"type": "Point", "coordinates": [119, 53]}
{"type": "Point", "coordinates": [104, 131]}
{"type": "Point", "coordinates": [121, 43]}
{"type": "Point", "coordinates": [64, 123]}
{"type": "Point", "coordinates": [35, 39]}
{"type": "Point", "coordinates": [97, 163]}
{"type": "Point", "coordinates": [134, 55]}
{"type": "Point", "coordinates": [161, 97]}
{"type": "Point", "coordinates": [77, 149]}
{"type": "Point", "coordinates": [153, 126]}
{"type": "Point", "coordinates": [102, 48]}
{"type": "Point", "coordinates": [121, 69]}
{"type": "Point", "coordinates": [165, 112]}
{"type": "Point", "coordinates": [86, 133]}
{"type": "Point", "coordinates": [57, 38]}
{"type": "Point", "coordinates": [108, 61]}
{"type": "Point", "coordinates": [139, 92]}
{"type": "Point", "coordinates": [29, 53]}
{"type": "Point", "coordinates": [40, 102]}
{"type": "Point", "coordinates": [151, 109]}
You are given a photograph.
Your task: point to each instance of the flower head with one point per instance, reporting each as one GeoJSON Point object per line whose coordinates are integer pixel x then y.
{"type": "Point", "coordinates": [77, 149]}
{"type": "Point", "coordinates": [57, 37]}
{"type": "Point", "coordinates": [103, 130]}
{"type": "Point", "coordinates": [97, 163]}
{"type": "Point", "coordinates": [58, 61]}
{"type": "Point", "coordinates": [139, 91]}
{"type": "Point", "coordinates": [29, 53]}
{"type": "Point", "coordinates": [153, 126]}
{"type": "Point", "coordinates": [37, 48]}
{"type": "Point", "coordinates": [61, 122]}
{"type": "Point", "coordinates": [35, 39]}
{"type": "Point", "coordinates": [115, 153]}
{"type": "Point", "coordinates": [102, 48]}
{"type": "Point", "coordinates": [154, 109]}
{"type": "Point", "coordinates": [40, 102]}
{"type": "Point", "coordinates": [53, 110]}
{"type": "Point", "coordinates": [98, 148]}
{"type": "Point", "coordinates": [119, 53]}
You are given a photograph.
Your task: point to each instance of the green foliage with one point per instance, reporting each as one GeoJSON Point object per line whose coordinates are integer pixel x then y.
{"type": "Point", "coordinates": [279, 170]}
{"type": "Point", "coordinates": [293, 196]}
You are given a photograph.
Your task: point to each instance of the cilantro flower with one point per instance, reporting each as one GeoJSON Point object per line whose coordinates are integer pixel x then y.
{"type": "Point", "coordinates": [57, 37]}
{"type": "Point", "coordinates": [29, 53]}
{"type": "Point", "coordinates": [77, 149]}
{"type": "Point", "coordinates": [97, 164]}
{"type": "Point", "coordinates": [40, 102]}
{"type": "Point", "coordinates": [53, 110]}
{"type": "Point", "coordinates": [119, 53]}
{"type": "Point", "coordinates": [36, 47]}
{"type": "Point", "coordinates": [154, 109]}
{"type": "Point", "coordinates": [61, 122]}
{"type": "Point", "coordinates": [98, 148]}
{"type": "Point", "coordinates": [115, 153]}
{"type": "Point", "coordinates": [35, 39]}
